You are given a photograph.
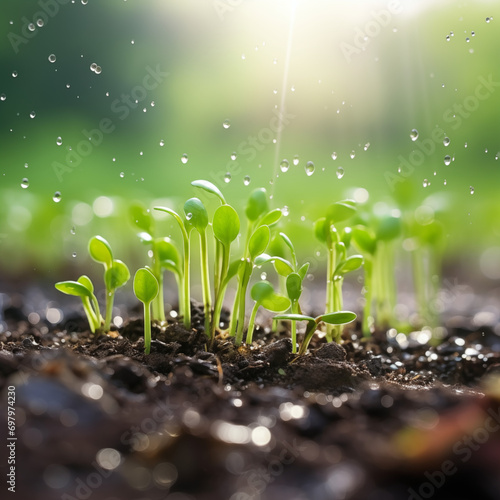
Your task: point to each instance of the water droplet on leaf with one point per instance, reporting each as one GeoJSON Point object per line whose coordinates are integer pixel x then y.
{"type": "Point", "coordinates": [39, 23]}
{"type": "Point", "coordinates": [31, 26]}
{"type": "Point", "coordinates": [189, 216]}
{"type": "Point", "coordinates": [93, 66]}
{"type": "Point", "coordinates": [3, 97]}
{"type": "Point", "coordinates": [14, 74]}
{"type": "Point", "coordinates": [426, 183]}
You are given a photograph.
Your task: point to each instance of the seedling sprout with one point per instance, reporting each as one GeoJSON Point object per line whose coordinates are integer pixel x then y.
{"type": "Point", "coordinates": [146, 289]}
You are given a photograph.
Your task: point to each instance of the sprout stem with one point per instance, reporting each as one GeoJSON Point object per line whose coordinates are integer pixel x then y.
{"type": "Point", "coordinates": [147, 327]}
{"type": "Point", "coordinates": [251, 323]}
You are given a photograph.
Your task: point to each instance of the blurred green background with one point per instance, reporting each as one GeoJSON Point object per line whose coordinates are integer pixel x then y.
{"type": "Point", "coordinates": [150, 81]}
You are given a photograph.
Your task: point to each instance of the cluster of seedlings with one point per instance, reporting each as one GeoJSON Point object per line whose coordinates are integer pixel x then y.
{"type": "Point", "coordinates": [374, 237]}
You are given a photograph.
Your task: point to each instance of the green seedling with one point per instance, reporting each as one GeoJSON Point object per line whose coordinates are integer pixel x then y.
{"type": "Point", "coordinates": [116, 273]}
{"type": "Point", "coordinates": [264, 295]}
{"type": "Point", "coordinates": [326, 231]}
{"type": "Point", "coordinates": [185, 297]}
{"type": "Point", "coordinates": [336, 318]}
{"type": "Point", "coordinates": [146, 289]}
{"type": "Point", "coordinates": [84, 289]}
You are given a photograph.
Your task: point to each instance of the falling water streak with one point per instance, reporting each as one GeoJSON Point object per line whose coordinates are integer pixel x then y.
{"type": "Point", "coordinates": [283, 94]}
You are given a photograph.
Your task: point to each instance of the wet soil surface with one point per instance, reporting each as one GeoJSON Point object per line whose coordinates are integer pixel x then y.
{"type": "Point", "coordinates": [386, 418]}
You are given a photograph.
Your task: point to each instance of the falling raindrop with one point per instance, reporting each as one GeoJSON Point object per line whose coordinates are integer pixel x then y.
{"type": "Point", "coordinates": [122, 174]}
{"type": "Point", "coordinates": [40, 23]}
{"type": "Point", "coordinates": [59, 141]}
{"type": "Point", "coordinates": [446, 141]}
{"type": "Point", "coordinates": [309, 168]}
{"type": "Point", "coordinates": [414, 134]}
{"type": "Point", "coordinates": [26, 165]}
{"type": "Point", "coordinates": [340, 173]}
{"type": "Point", "coordinates": [367, 145]}
{"type": "Point", "coordinates": [233, 155]}
{"type": "Point", "coordinates": [3, 97]}
{"type": "Point", "coordinates": [284, 165]}
{"type": "Point", "coordinates": [93, 66]}
{"type": "Point", "coordinates": [32, 114]}
{"type": "Point", "coordinates": [447, 38]}
{"type": "Point", "coordinates": [73, 255]}
{"type": "Point", "coordinates": [488, 19]}
{"type": "Point", "coordinates": [444, 182]}
{"type": "Point", "coordinates": [447, 160]}
{"type": "Point", "coordinates": [275, 91]}
{"type": "Point", "coordinates": [14, 74]}
{"type": "Point", "coordinates": [73, 230]}
{"type": "Point", "coordinates": [184, 158]}
{"type": "Point", "coordinates": [25, 183]}
{"type": "Point", "coordinates": [227, 178]}
{"type": "Point", "coordinates": [85, 2]}
{"type": "Point", "coordinates": [98, 70]}
{"type": "Point", "coordinates": [471, 190]}
{"type": "Point", "coordinates": [57, 197]}
{"type": "Point", "coordinates": [226, 123]}
{"type": "Point", "coordinates": [52, 58]}
{"type": "Point", "coordinates": [31, 26]}
{"type": "Point", "coordinates": [246, 180]}
{"type": "Point", "coordinates": [467, 39]}
{"type": "Point", "coordinates": [426, 183]}
{"type": "Point", "coordinates": [285, 211]}
{"type": "Point", "coordinates": [162, 143]}
{"type": "Point", "coordinates": [334, 155]}
{"type": "Point", "coordinates": [353, 154]}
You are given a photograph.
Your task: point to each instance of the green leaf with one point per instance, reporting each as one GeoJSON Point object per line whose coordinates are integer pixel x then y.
{"type": "Point", "coordinates": [262, 259]}
{"type": "Point", "coordinates": [345, 236]}
{"type": "Point", "coordinates": [142, 218]}
{"type": "Point", "coordinates": [289, 243]}
{"type": "Point", "coordinates": [340, 211]}
{"type": "Point", "coordinates": [294, 286]}
{"type": "Point", "coordinates": [389, 228]}
{"type": "Point", "coordinates": [321, 229]}
{"type": "Point", "coordinates": [276, 303]}
{"type": "Point", "coordinates": [145, 285]}
{"type": "Point", "coordinates": [257, 204]}
{"type": "Point", "coordinates": [340, 251]}
{"type": "Point", "coordinates": [86, 282]}
{"type": "Point", "coordinates": [73, 288]}
{"type": "Point", "coordinates": [261, 290]}
{"type": "Point", "coordinates": [233, 269]}
{"type": "Point", "coordinates": [350, 264]}
{"type": "Point", "coordinates": [259, 241]}
{"type": "Point", "coordinates": [282, 266]}
{"type": "Point", "coordinates": [100, 251]}
{"type": "Point", "coordinates": [226, 224]}
{"type": "Point", "coordinates": [303, 270]}
{"type": "Point", "coordinates": [117, 275]}
{"type": "Point", "coordinates": [338, 318]}
{"type": "Point", "coordinates": [295, 317]}
{"type": "Point", "coordinates": [271, 218]}
{"type": "Point", "coordinates": [167, 252]}
{"type": "Point", "coordinates": [210, 188]}
{"type": "Point", "coordinates": [364, 239]}
{"type": "Point", "coordinates": [196, 214]}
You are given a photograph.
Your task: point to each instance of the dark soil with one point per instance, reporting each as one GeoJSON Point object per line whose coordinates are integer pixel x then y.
{"type": "Point", "coordinates": [384, 418]}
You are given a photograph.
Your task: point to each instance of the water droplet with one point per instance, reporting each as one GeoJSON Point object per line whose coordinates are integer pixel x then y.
{"type": "Point", "coordinates": [467, 39]}
{"type": "Point", "coordinates": [227, 178]}
{"type": "Point", "coordinates": [3, 97]}
{"type": "Point", "coordinates": [26, 165]}
{"type": "Point", "coordinates": [367, 145]}
{"type": "Point", "coordinates": [39, 23]}
{"type": "Point", "coordinates": [334, 155]}
{"type": "Point", "coordinates": [444, 182]}
{"type": "Point", "coordinates": [292, 88]}
{"type": "Point", "coordinates": [284, 165]}
{"type": "Point", "coordinates": [73, 255]}
{"type": "Point", "coordinates": [488, 19]}
{"type": "Point", "coordinates": [340, 173]}
{"type": "Point", "coordinates": [162, 143]}
{"type": "Point", "coordinates": [426, 183]}
{"type": "Point", "coordinates": [98, 70]}
{"type": "Point", "coordinates": [25, 183]}
{"type": "Point", "coordinates": [263, 276]}
{"type": "Point", "coordinates": [309, 168]}
{"type": "Point", "coordinates": [57, 197]}
{"type": "Point", "coordinates": [233, 155]}
{"type": "Point", "coordinates": [14, 74]}
{"type": "Point", "coordinates": [32, 114]}
{"type": "Point", "coordinates": [275, 91]}
{"type": "Point", "coordinates": [447, 38]}
{"type": "Point", "coordinates": [353, 154]}
{"type": "Point", "coordinates": [446, 141]}
{"type": "Point", "coordinates": [189, 216]}
{"type": "Point", "coordinates": [93, 66]}
{"type": "Point", "coordinates": [447, 160]}
{"type": "Point", "coordinates": [59, 141]}
{"type": "Point", "coordinates": [152, 104]}
{"type": "Point", "coordinates": [184, 158]}
{"type": "Point", "coordinates": [243, 56]}
{"type": "Point", "coordinates": [414, 134]}
{"type": "Point", "coordinates": [472, 33]}
{"type": "Point", "coordinates": [497, 155]}
{"type": "Point", "coordinates": [486, 150]}
{"type": "Point", "coordinates": [226, 123]}
{"type": "Point", "coordinates": [452, 34]}
{"type": "Point", "coordinates": [31, 26]}
{"type": "Point", "coordinates": [85, 2]}
{"type": "Point", "coordinates": [73, 230]}
{"type": "Point", "coordinates": [52, 58]}
{"type": "Point", "coordinates": [296, 160]}
{"type": "Point", "coordinates": [465, 145]}
{"type": "Point", "coordinates": [246, 180]}
{"type": "Point", "coordinates": [285, 211]}
{"type": "Point", "coordinates": [132, 42]}
{"type": "Point", "coordinates": [471, 190]}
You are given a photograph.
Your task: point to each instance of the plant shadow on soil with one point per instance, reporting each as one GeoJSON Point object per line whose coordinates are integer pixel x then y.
{"type": "Point", "coordinates": [97, 418]}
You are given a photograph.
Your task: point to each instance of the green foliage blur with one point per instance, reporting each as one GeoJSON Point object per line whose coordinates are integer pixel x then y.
{"type": "Point", "coordinates": [99, 101]}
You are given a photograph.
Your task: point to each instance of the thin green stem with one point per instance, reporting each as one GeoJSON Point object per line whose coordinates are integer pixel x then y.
{"type": "Point", "coordinates": [91, 317]}
{"type": "Point", "coordinates": [311, 328]}
{"type": "Point", "coordinates": [158, 303]}
{"type": "Point", "coordinates": [251, 323]}
{"type": "Point", "coordinates": [147, 327]}
{"type": "Point", "coordinates": [367, 309]}
{"type": "Point", "coordinates": [186, 292]}
{"type": "Point", "coordinates": [110, 298]}
{"type": "Point", "coordinates": [219, 295]}
{"type": "Point", "coordinates": [205, 280]}
{"type": "Point", "coordinates": [242, 298]}
{"type": "Point", "coordinates": [295, 310]}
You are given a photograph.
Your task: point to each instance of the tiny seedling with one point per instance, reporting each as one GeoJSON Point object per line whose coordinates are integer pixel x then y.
{"type": "Point", "coordinates": [146, 289]}
{"type": "Point", "coordinates": [84, 289]}
{"type": "Point", "coordinates": [336, 318]}
{"type": "Point", "coordinates": [264, 295]}
{"type": "Point", "coordinates": [116, 273]}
